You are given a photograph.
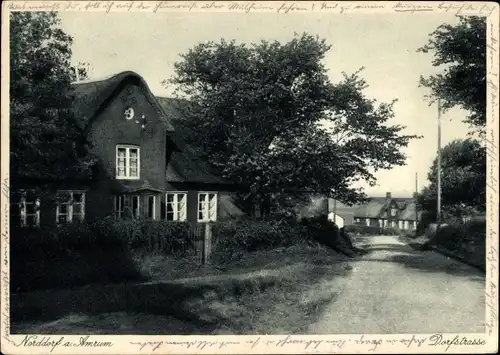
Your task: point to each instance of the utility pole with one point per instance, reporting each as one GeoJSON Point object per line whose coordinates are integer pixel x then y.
{"type": "Point", "coordinates": [438, 215]}
{"type": "Point", "coordinates": [416, 199]}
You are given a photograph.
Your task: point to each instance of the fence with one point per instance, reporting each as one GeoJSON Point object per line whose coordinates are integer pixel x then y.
{"type": "Point", "coordinates": [198, 244]}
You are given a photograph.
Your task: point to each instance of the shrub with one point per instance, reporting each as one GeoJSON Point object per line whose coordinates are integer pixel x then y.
{"type": "Point", "coordinates": [50, 242]}
{"type": "Point", "coordinates": [82, 253]}
{"type": "Point", "coordinates": [234, 237]}
{"type": "Point", "coordinates": [68, 256]}
{"type": "Point", "coordinates": [456, 236]}
{"type": "Point", "coordinates": [372, 230]}
{"type": "Point", "coordinates": [171, 238]}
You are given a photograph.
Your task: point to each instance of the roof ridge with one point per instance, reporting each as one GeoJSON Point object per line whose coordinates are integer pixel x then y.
{"type": "Point", "coordinates": [105, 78]}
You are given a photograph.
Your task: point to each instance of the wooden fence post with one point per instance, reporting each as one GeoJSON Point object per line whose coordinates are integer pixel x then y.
{"type": "Point", "coordinates": [207, 243]}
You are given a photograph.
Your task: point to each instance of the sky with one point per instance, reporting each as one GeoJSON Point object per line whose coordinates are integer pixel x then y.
{"type": "Point", "coordinates": [385, 44]}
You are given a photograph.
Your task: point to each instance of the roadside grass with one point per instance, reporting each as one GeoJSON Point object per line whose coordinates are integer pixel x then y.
{"type": "Point", "coordinates": [266, 292]}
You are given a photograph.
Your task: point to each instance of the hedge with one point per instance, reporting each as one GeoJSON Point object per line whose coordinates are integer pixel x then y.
{"type": "Point", "coordinates": [371, 230]}
{"type": "Point", "coordinates": [456, 236]}
{"type": "Point", "coordinates": [82, 253]}
{"type": "Point", "coordinates": [100, 252]}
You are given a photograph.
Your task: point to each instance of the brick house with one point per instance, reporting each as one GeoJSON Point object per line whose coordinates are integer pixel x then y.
{"type": "Point", "coordinates": [144, 169]}
{"type": "Point", "coordinates": [387, 212]}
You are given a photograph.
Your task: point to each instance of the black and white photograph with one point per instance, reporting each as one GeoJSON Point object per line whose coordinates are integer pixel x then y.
{"type": "Point", "coordinates": [280, 170]}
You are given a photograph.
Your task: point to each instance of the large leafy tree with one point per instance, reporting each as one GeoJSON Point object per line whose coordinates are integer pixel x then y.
{"type": "Point", "coordinates": [461, 51]}
{"type": "Point", "coordinates": [268, 116]}
{"type": "Point", "coordinates": [46, 143]}
{"type": "Point", "coordinates": [463, 180]}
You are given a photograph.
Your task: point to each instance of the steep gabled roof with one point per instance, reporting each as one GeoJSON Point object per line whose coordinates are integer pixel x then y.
{"type": "Point", "coordinates": [370, 209]}
{"type": "Point", "coordinates": [375, 207]}
{"type": "Point", "coordinates": [185, 163]}
{"type": "Point", "coordinates": [409, 212]}
{"type": "Point", "coordinates": [90, 95]}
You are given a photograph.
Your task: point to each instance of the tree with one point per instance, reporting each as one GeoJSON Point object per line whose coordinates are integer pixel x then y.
{"type": "Point", "coordinates": [461, 48]}
{"type": "Point", "coordinates": [268, 117]}
{"type": "Point", "coordinates": [46, 142]}
{"type": "Point", "coordinates": [463, 180]}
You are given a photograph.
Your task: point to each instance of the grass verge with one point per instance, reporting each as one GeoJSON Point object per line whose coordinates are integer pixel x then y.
{"type": "Point", "coordinates": [276, 291]}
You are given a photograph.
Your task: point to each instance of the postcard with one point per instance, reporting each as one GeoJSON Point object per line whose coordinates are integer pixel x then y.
{"type": "Point", "coordinates": [256, 177]}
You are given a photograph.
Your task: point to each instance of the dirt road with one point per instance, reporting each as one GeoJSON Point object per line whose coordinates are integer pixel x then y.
{"type": "Point", "coordinates": [395, 289]}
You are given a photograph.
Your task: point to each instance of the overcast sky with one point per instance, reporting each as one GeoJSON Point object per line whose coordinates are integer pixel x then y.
{"type": "Point", "coordinates": [385, 45]}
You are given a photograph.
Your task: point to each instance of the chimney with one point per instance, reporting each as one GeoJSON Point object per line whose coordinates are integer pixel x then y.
{"type": "Point", "coordinates": [388, 195]}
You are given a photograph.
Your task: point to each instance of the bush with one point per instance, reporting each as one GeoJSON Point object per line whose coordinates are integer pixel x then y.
{"type": "Point", "coordinates": [235, 237]}
{"type": "Point", "coordinates": [64, 240]}
{"type": "Point", "coordinates": [457, 236]}
{"type": "Point", "coordinates": [68, 256]}
{"type": "Point", "coordinates": [82, 253]}
{"type": "Point", "coordinates": [170, 238]}
{"type": "Point", "coordinates": [371, 230]}
{"type": "Point", "coordinates": [248, 235]}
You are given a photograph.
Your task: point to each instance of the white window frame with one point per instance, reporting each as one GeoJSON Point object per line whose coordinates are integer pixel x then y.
{"type": "Point", "coordinates": [119, 213]}
{"type": "Point", "coordinates": [23, 211]}
{"type": "Point", "coordinates": [394, 212]}
{"type": "Point", "coordinates": [154, 206]}
{"type": "Point", "coordinates": [70, 203]}
{"type": "Point", "coordinates": [367, 222]}
{"type": "Point", "coordinates": [206, 217]}
{"type": "Point", "coordinates": [128, 148]}
{"type": "Point", "coordinates": [180, 214]}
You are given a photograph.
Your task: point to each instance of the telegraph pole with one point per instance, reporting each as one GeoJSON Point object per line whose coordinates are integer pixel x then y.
{"type": "Point", "coordinates": [438, 216]}
{"type": "Point", "coordinates": [416, 199]}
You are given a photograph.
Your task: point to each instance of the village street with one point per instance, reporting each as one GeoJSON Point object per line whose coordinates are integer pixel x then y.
{"type": "Point", "coordinates": [392, 289]}
{"type": "Point", "coordinates": [395, 289]}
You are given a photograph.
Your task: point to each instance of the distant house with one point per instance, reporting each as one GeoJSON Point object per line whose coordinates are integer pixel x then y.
{"type": "Point", "coordinates": [383, 212]}
{"type": "Point", "coordinates": [145, 170]}
{"type": "Point", "coordinates": [340, 213]}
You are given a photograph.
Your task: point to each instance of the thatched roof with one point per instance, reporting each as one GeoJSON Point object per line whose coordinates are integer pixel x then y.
{"type": "Point", "coordinates": [89, 96]}
{"type": "Point", "coordinates": [375, 208]}
{"type": "Point", "coordinates": [186, 163]}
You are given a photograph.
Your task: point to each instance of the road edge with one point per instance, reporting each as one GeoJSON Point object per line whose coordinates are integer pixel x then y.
{"type": "Point", "coordinates": [452, 255]}
{"type": "Point", "coordinates": [436, 249]}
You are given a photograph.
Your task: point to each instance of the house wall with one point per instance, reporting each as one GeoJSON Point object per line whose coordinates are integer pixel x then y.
{"type": "Point", "coordinates": [48, 204]}
{"type": "Point", "coordinates": [111, 128]}
{"type": "Point", "coordinates": [226, 203]}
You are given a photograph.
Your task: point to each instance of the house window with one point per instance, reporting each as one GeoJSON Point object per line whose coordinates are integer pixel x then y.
{"type": "Point", "coordinates": [368, 222]}
{"type": "Point", "coordinates": [127, 162]}
{"type": "Point", "coordinates": [152, 207]}
{"type": "Point", "coordinates": [393, 224]}
{"type": "Point", "coordinates": [25, 211]}
{"type": "Point", "coordinates": [393, 212]}
{"type": "Point", "coordinates": [176, 206]}
{"type": "Point", "coordinates": [127, 207]}
{"type": "Point", "coordinates": [207, 207]}
{"type": "Point", "coordinates": [406, 225]}
{"type": "Point", "coordinates": [380, 223]}
{"type": "Point", "coordinates": [400, 224]}
{"type": "Point", "coordinates": [70, 206]}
